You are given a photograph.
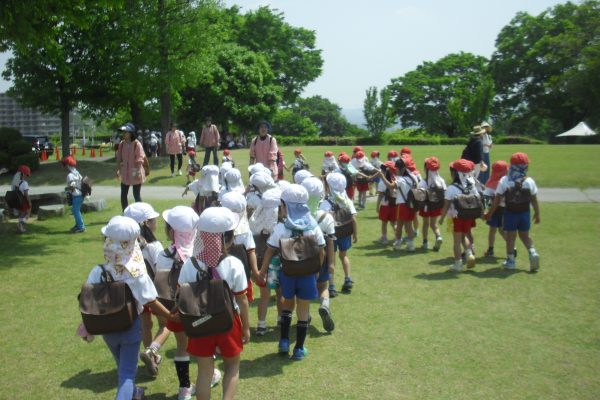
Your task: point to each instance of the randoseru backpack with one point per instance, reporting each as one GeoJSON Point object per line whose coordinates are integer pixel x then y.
{"type": "Point", "coordinates": [416, 198]}
{"type": "Point", "coordinates": [343, 220]}
{"type": "Point", "coordinates": [435, 197]}
{"type": "Point", "coordinates": [468, 204]}
{"type": "Point", "coordinates": [299, 254]}
{"type": "Point", "coordinates": [206, 307]}
{"type": "Point", "coordinates": [108, 306]}
{"type": "Point", "coordinates": [517, 198]}
{"type": "Point", "coordinates": [14, 198]}
{"type": "Point", "coordinates": [165, 281]}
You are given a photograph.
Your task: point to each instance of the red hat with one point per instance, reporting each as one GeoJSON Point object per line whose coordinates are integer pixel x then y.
{"type": "Point", "coordinates": [192, 153]}
{"type": "Point", "coordinates": [357, 149]}
{"type": "Point", "coordinates": [226, 152]}
{"type": "Point", "coordinates": [392, 154]}
{"type": "Point", "coordinates": [345, 158]}
{"type": "Point", "coordinates": [374, 154]}
{"type": "Point", "coordinates": [24, 169]}
{"type": "Point", "coordinates": [328, 154]}
{"type": "Point", "coordinates": [462, 165]}
{"type": "Point", "coordinates": [499, 169]}
{"type": "Point", "coordinates": [360, 154]}
{"type": "Point", "coordinates": [409, 163]}
{"type": "Point", "coordinates": [390, 165]}
{"type": "Point", "coordinates": [519, 158]}
{"type": "Point", "coordinates": [69, 160]}
{"type": "Point", "coordinates": [297, 151]}
{"type": "Point", "coordinates": [432, 163]}
{"type": "Point", "coordinates": [342, 153]}
{"type": "Point", "coordinates": [406, 150]}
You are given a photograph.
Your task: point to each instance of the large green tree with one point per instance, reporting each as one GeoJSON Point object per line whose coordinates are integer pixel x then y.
{"type": "Point", "coordinates": [547, 67]}
{"type": "Point", "coordinates": [289, 122]}
{"type": "Point", "coordinates": [325, 114]}
{"type": "Point", "coordinates": [378, 111]}
{"type": "Point", "coordinates": [446, 96]}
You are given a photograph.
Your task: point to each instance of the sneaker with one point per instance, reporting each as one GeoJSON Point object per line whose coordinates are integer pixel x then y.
{"type": "Point", "coordinates": [179, 173]}
{"type": "Point", "coordinates": [186, 393]}
{"type": "Point", "coordinates": [425, 245]}
{"type": "Point", "coordinates": [138, 393]}
{"type": "Point", "coordinates": [509, 264]}
{"type": "Point", "coordinates": [457, 266]}
{"type": "Point", "coordinates": [383, 240]}
{"type": "Point", "coordinates": [261, 330]}
{"type": "Point", "coordinates": [410, 245]}
{"type": "Point", "coordinates": [534, 261]}
{"type": "Point", "coordinates": [284, 346]}
{"type": "Point", "coordinates": [398, 244]}
{"type": "Point", "coordinates": [216, 378]}
{"type": "Point", "coordinates": [489, 252]}
{"type": "Point", "coordinates": [328, 323]}
{"type": "Point", "coordinates": [299, 353]}
{"type": "Point", "coordinates": [471, 260]}
{"type": "Point", "coordinates": [438, 243]}
{"type": "Point", "coordinates": [348, 284]}
{"type": "Point", "coordinates": [79, 230]}
{"type": "Point", "coordinates": [148, 357]}
{"type": "Point", "coordinates": [332, 292]}
{"type": "Point", "coordinates": [172, 174]}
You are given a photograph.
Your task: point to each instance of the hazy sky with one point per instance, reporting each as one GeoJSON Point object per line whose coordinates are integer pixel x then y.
{"type": "Point", "coordinates": [367, 43]}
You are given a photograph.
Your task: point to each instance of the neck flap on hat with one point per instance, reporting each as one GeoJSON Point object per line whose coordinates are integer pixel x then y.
{"type": "Point", "coordinates": [466, 180]}
{"type": "Point", "coordinates": [433, 178]}
{"type": "Point", "coordinates": [517, 172]}
{"type": "Point", "coordinates": [212, 248]}
{"type": "Point", "coordinates": [299, 217]}
{"type": "Point", "coordinates": [313, 204]}
{"type": "Point", "coordinates": [263, 219]}
{"type": "Point", "coordinates": [124, 256]}
{"type": "Point", "coordinates": [184, 244]}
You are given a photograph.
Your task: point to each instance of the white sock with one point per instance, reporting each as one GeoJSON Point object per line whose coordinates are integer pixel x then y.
{"type": "Point", "coordinates": [325, 302]}
{"type": "Point", "coordinates": [262, 324]}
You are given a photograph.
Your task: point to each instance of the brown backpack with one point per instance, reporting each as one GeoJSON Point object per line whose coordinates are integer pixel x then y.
{"type": "Point", "coordinates": [108, 306]}
{"type": "Point", "coordinates": [260, 247]}
{"type": "Point", "coordinates": [518, 198]}
{"type": "Point", "coordinates": [206, 307]}
{"type": "Point", "coordinates": [300, 255]}
{"type": "Point", "coordinates": [165, 281]}
{"type": "Point", "coordinates": [435, 198]}
{"type": "Point", "coordinates": [343, 220]}
{"type": "Point", "coordinates": [239, 251]}
{"type": "Point", "coordinates": [468, 205]}
{"type": "Point", "coordinates": [416, 198]}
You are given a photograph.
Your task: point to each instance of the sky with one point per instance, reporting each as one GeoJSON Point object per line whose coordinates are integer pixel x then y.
{"type": "Point", "coordinates": [367, 43]}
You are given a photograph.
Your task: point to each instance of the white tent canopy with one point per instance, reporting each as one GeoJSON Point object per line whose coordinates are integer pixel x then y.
{"type": "Point", "coordinates": [580, 130]}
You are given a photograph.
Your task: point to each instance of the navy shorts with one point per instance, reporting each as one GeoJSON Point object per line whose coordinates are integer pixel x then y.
{"type": "Point", "coordinates": [343, 243]}
{"type": "Point", "coordinates": [517, 221]}
{"type": "Point", "coordinates": [324, 273]}
{"type": "Point", "coordinates": [302, 287]}
{"type": "Point", "coordinates": [496, 220]}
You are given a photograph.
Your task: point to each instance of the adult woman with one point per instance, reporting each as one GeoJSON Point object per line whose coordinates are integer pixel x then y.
{"type": "Point", "coordinates": [130, 160]}
{"type": "Point", "coordinates": [74, 179]}
{"type": "Point", "coordinates": [486, 140]}
{"type": "Point", "coordinates": [20, 184]}
{"type": "Point", "coordinates": [175, 142]}
{"type": "Point", "coordinates": [263, 148]}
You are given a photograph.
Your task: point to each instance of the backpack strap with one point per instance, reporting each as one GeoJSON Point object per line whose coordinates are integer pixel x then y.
{"type": "Point", "coordinates": [201, 275]}
{"type": "Point", "coordinates": [104, 277]}
{"type": "Point", "coordinates": [322, 218]}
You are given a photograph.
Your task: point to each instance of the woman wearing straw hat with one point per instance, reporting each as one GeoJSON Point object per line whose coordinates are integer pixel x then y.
{"type": "Point", "coordinates": [474, 151]}
{"type": "Point", "coordinates": [486, 140]}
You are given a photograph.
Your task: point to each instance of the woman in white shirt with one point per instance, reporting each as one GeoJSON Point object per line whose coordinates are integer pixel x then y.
{"type": "Point", "coordinates": [74, 179]}
{"type": "Point", "coordinates": [487, 142]}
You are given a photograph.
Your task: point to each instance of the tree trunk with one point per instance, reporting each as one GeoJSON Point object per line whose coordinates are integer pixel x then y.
{"type": "Point", "coordinates": [64, 127]}
{"type": "Point", "coordinates": [136, 113]}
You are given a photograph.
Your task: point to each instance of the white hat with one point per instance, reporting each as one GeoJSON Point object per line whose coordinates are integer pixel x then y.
{"type": "Point", "coordinates": [313, 186]}
{"type": "Point", "coordinates": [218, 220]}
{"type": "Point", "coordinates": [262, 181]}
{"type": "Point", "coordinates": [283, 184]}
{"type": "Point", "coordinates": [301, 175]}
{"type": "Point", "coordinates": [294, 194]}
{"type": "Point", "coordinates": [234, 201]}
{"type": "Point", "coordinates": [181, 218]}
{"type": "Point", "coordinates": [258, 167]}
{"type": "Point", "coordinates": [226, 166]}
{"type": "Point", "coordinates": [271, 198]}
{"type": "Point", "coordinates": [122, 229]}
{"type": "Point", "coordinates": [210, 178]}
{"type": "Point", "coordinates": [192, 133]}
{"type": "Point", "coordinates": [336, 181]}
{"type": "Point", "coordinates": [234, 179]}
{"type": "Point", "coordinates": [140, 212]}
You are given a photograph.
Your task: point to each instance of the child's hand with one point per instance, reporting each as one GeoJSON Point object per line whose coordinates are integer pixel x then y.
{"type": "Point", "coordinates": [354, 238]}
{"type": "Point", "coordinates": [246, 335]}
{"type": "Point", "coordinates": [536, 218]}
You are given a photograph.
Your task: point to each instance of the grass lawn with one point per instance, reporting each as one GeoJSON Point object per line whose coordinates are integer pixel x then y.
{"type": "Point", "coordinates": [551, 165]}
{"type": "Point", "coordinates": [408, 331]}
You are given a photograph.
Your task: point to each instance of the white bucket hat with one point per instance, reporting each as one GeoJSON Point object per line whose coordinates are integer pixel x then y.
{"type": "Point", "coordinates": [218, 220]}
{"type": "Point", "coordinates": [313, 186]}
{"type": "Point", "coordinates": [234, 180]}
{"type": "Point", "coordinates": [294, 193]}
{"type": "Point", "coordinates": [121, 229]}
{"type": "Point", "coordinates": [262, 181]}
{"type": "Point", "coordinates": [234, 201]}
{"type": "Point", "coordinates": [140, 212]}
{"type": "Point", "coordinates": [271, 198]}
{"type": "Point", "coordinates": [336, 182]}
{"type": "Point", "coordinates": [258, 167]}
{"type": "Point", "coordinates": [210, 178]}
{"type": "Point", "coordinates": [301, 176]}
{"type": "Point", "coordinates": [181, 218]}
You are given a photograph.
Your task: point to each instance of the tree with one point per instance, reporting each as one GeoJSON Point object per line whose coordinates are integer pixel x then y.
{"type": "Point", "coordinates": [288, 122]}
{"type": "Point", "coordinates": [446, 96]}
{"type": "Point", "coordinates": [325, 114]}
{"type": "Point", "coordinates": [548, 66]}
{"type": "Point", "coordinates": [377, 111]}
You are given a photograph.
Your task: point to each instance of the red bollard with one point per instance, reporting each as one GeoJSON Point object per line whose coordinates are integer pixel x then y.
{"type": "Point", "coordinates": [73, 151]}
{"type": "Point", "coordinates": [101, 151]}
{"type": "Point", "coordinates": [44, 156]}
{"type": "Point", "coordinates": [83, 151]}
{"type": "Point", "coordinates": [57, 154]}
{"type": "Point", "coordinates": [92, 153]}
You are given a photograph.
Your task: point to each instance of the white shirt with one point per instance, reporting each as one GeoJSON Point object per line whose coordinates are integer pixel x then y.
{"type": "Point", "coordinates": [230, 269]}
{"type": "Point", "coordinates": [381, 188]}
{"type": "Point", "coordinates": [23, 186]}
{"type": "Point", "coordinates": [404, 184]}
{"type": "Point", "coordinates": [151, 252]}
{"type": "Point", "coordinates": [246, 239]}
{"type": "Point", "coordinates": [142, 288]}
{"type": "Point", "coordinates": [452, 192]}
{"type": "Point", "coordinates": [74, 180]}
{"type": "Point", "coordinates": [164, 262]}
{"type": "Point", "coordinates": [327, 225]}
{"type": "Point", "coordinates": [281, 232]}
{"type": "Point", "coordinates": [191, 141]}
{"type": "Point", "coordinates": [506, 183]}
{"type": "Point", "coordinates": [487, 142]}
{"type": "Point", "coordinates": [326, 206]}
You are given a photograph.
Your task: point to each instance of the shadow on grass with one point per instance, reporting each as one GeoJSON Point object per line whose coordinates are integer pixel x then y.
{"type": "Point", "coordinates": [498, 272]}
{"type": "Point", "coordinates": [13, 245]}
{"type": "Point", "coordinates": [268, 365]}
{"type": "Point", "coordinates": [101, 382]}
{"type": "Point", "coordinates": [438, 276]}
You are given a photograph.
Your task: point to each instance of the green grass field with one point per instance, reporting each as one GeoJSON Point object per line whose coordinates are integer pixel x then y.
{"type": "Point", "coordinates": [551, 165]}
{"type": "Point", "coordinates": [409, 330]}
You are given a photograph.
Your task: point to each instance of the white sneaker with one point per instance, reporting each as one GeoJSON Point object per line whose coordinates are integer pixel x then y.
{"type": "Point", "coordinates": [509, 264]}
{"type": "Point", "coordinates": [398, 244]}
{"type": "Point", "coordinates": [471, 260]}
{"type": "Point", "coordinates": [216, 378]}
{"type": "Point", "coordinates": [534, 260]}
{"type": "Point", "coordinates": [179, 173]}
{"type": "Point", "coordinates": [438, 243]}
{"type": "Point", "coordinates": [172, 174]}
{"type": "Point", "coordinates": [186, 393]}
{"type": "Point", "coordinates": [410, 245]}
{"type": "Point", "coordinates": [383, 240]}
{"type": "Point", "coordinates": [457, 266]}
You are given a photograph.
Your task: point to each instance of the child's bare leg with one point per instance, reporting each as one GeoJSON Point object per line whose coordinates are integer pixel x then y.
{"type": "Point", "coordinates": [146, 328]}
{"type": "Point", "coordinates": [345, 263]}
{"type": "Point", "coordinates": [527, 241]}
{"type": "Point", "coordinates": [425, 228]}
{"type": "Point", "coordinates": [491, 237]}
{"type": "Point", "coordinates": [457, 248]}
{"type": "Point", "coordinates": [511, 236]}
{"type": "Point", "coordinates": [433, 223]}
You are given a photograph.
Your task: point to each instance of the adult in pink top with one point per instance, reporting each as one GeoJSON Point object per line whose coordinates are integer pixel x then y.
{"type": "Point", "coordinates": [130, 160]}
{"type": "Point", "coordinates": [210, 139]}
{"type": "Point", "coordinates": [175, 142]}
{"type": "Point", "coordinates": [263, 148]}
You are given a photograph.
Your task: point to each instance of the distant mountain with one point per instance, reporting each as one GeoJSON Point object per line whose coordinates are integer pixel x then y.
{"type": "Point", "coordinates": [354, 116]}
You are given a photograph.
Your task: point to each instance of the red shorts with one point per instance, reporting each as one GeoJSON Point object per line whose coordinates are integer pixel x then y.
{"type": "Point", "coordinates": [146, 310]}
{"type": "Point", "coordinates": [350, 192]}
{"type": "Point", "coordinates": [174, 326]}
{"type": "Point", "coordinates": [432, 213]}
{"type": "Point", "coordinates": [362, 187]}
{"type": "Point", "coordinates": [405, 213]}
{"type": "Point", "coordinates": [190, 149]}
{"type": "Point", "coordinates": [229, 343]}
{"type": "Point", "coordinates": [388, 213]}
{"type": "Point", "coordinates": [250, 290]}
{"type": "Point", "coordinates": [463, 225]}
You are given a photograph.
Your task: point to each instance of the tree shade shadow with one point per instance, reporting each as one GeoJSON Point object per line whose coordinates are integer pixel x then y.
{"type": "Point", "coordinates": [498, 272]}
{"type": "Point", "coordinates": [268, 365]}
{"type": "Point", "coordinates": [438, 276]}
{"type": "Point", "coordinates": [97, 382]}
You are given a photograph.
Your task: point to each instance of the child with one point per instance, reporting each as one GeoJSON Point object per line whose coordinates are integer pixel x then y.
{"type": "Point", "coordinates": [433, 183]}
{"type": "Point", "coordinates": [215, 230]}
{"type": "Point", "coordinates": [386, 200]}
{"type": "Point", "coordinates": [392, 155]}
{"type": "Point", "coordinates": [366, 173]}
{"type": "Point", "coordinates": [206, 188]}
{"type": "Point", "coordinates": [227, 157]}
{"type": "Point", "coordinates": [233, 183]}
{"type": "Point", "coordinates": [315, 189]}
{"type": "Point", "coordinates": [338, 197]}
{"type": "Point", "coordinates": [376, 163]}
{"type": "Point", "coordinates": [499, 169]}
{"type": "Point", "coordinates": [74, 180]}
{"type": "Point", "coordinates": [146, 217]}
{"type": "Point", "coordinates": [20, 184]}
{"type": "Point", "coordinates": [299, 162]}
{"type": "Point", "coordinates": [405, 151]}
{"type": "Point", "coordinates": [192, 167]}
{"type": "Point", "coordinates": [462, 183]}
{"type": "Point", "coordinates": [301, 176]}
{"type": "Point", "coordinates": [262, 222]}
{"type": "Point", "coordinates": [123, 260]}
{"type": "Point", "coordinates": [329, 163]}
{"type": "Point", "coordinates": [302, 290]}
{"type": "Point", "coordinates": [519, 192]}
{"type": "Point", "coordinates": [403, 182]}
{"type": "Point", "coordinates": [412, 168]}
{"type": "Point", "coordinates": [349, 172]}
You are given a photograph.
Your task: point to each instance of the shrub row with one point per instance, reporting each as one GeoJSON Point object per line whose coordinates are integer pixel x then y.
{"type": "Point", "coordinates": [395, 140]}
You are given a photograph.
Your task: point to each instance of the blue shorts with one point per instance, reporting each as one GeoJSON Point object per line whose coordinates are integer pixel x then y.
{"type": "Point", "coordinates": [376, 180]}
{"type": "Point", "coordinates": [343, 243]}
{"type": "Point", "coordinates": [302, 287]}
{"type": "Point", "coordinates": [324, 273]}
{"type": "Point", "coordinates": [517, 221]}
{"type": "Point", "coordinates": [496, 220]}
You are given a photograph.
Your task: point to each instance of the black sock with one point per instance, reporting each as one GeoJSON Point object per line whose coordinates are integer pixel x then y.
{"type": "Point", "coordinates": [301, 330]}
{"type": "Point", "coordinates": [286, 321]}
{"type": "Point", "coordinates": [183, 372]}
